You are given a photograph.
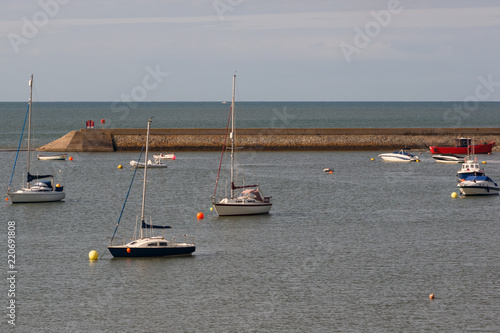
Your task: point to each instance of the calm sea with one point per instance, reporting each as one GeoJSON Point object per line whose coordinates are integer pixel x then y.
{"type": "Point", "coordinates": [53, 120]}
{"type": "Point", "coordinates": [358, 250]}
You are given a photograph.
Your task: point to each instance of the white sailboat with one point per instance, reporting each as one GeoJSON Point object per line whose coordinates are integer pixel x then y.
{"type": "Point", "coordinates": [40, 191]}
{"type": "Point", "coordinates": [251, 200]}
{"type": "Point", "coordinates": [148, 245]}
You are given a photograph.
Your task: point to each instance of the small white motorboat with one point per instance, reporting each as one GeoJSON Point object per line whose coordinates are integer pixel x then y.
{"type": "Point", "coordinates": [151, 164]}
{"type": "Point", "coordinates": [399, 156]}
{"type": "Point", "coordinates": [60, 157]}
{"type": "Point", "coordinates": [478, 185]}
{"type": "Point", "coordinates": [449, 158]}
{"type": "Point", "coordinates": [162, 156]}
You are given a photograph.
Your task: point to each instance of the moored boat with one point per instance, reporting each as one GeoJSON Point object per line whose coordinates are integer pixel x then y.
{"type": "Point", "coordinates": [41, 191]}
{"type": "Point", "coordinates": [478, 185]}
{"type": "Point", "coordinates": [151, 164]}
{"type": "Point", "coordinates": [60, 157]}
{"type": "Point", "coordinates": [162, 156]}
{"type": "Point", "coordinates": [464, 146]}
{"type": "Point", "coordinates": [449, 158]}
{"type": "Point", "coordinates": [147, 244]}
{"type": "Point", "coordinates": [250, 201]}
{"type": "Point", "coordinates": [399, 156]}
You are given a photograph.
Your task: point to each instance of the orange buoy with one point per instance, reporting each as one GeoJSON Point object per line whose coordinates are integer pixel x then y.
{"type": "Point", "coordinates": [173, 157]}
{"type": "Point", "coordinates": [431, 296]}
{"type": "Point", "coordinates": [200, 216]}
{"type": "Point", "coordinates": [128, 249]}
{"type": "Point", "coordinates": [7, 199]}
{"type": "Point", "coordinates": [70, 158]}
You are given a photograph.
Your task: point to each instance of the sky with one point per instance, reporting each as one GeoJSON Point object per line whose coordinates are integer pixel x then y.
{"type": "Point", "coordinates": [286, 50]}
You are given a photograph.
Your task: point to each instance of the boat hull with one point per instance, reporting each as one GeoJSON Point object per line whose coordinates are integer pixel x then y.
{"type": "Point", "coordinates": [448, 158]}
{"type": "Point", "coordinates": [394, 158]}
{"type": "Point", "coordinates": [478, 190]}
{"type": "Point", "coordinates": [52, 158]}
{"type": "Point", "coordinates": [33, 197]}
{"type": "Point", "coordinates": [229, 209]}
{"type": "Point", "coordinates": [477, 149]}
{"type": "Point", "coordinates": [121, 251]}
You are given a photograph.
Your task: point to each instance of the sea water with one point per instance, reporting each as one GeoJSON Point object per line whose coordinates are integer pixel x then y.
{"type": "Point", "coordinates": [357, 250]}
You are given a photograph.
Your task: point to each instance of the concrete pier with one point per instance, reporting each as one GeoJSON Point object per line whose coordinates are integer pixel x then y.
{"type": "Point", "coordinates": [211, 139]}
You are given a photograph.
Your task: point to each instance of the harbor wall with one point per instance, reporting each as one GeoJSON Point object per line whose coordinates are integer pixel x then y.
{"type": "Point", "coordinates": [210, 139]}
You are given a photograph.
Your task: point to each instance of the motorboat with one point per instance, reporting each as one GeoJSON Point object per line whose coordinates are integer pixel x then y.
{"type": "Point", "coordinates": [151, 164]}
{"type": "Point", "coordinates": [449, 158]}
{"type": "Point", "coordinates": [478, 185]}
{"type": "Point", "coordinates": [60, 157]}
{"type": "Point", "coordinates": [464, 146]}
{"type": "Point", "coordinates": [41, 191]}
{"type": "Point", "coordinates": [399, 156]}
{"type": "Point", "coordinates": [147, 244]}
{"type": "Point", "coordinates": [250, 201]}
{"type": "Point", "coordinates": [162, 156]}
{"type": "Point", "coordinates": [470, 167]}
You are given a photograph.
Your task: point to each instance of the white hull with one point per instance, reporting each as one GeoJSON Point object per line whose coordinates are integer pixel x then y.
{"type": "Point", "coordinates": [232, 208]}
{"type": "Point", "coordinates": [393, 158]}
{"type": "Point", "coordinates": [448, 158]}
{"type": "Point", "coordinates": [26, 196]}
{"type": "Point", "coordinates": [52, 158]}
{"type": "Point", "coordinates": [467, 190]}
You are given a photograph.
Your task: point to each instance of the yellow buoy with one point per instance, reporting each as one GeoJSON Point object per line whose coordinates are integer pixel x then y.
{"type": "Point", "coordinates": [372, 159]}
{"type": "Point", "coordinates": [120, 166]}
{"type": "Point", "coordinates": [454, 195]}
{"type": "Point", "coordinates": [58, 185]}
{"type": "Point", "coordinates": [211, 209]}
{"type": "Point", "coordinates": [484, 162]}
{"type": "Point", "coordinates": [93, 255]}
{"type": "Point", "coordinates": [417, 160]}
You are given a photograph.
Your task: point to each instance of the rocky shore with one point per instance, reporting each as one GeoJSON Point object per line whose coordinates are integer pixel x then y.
{"type": "Point", "coordinates": [107, 140]}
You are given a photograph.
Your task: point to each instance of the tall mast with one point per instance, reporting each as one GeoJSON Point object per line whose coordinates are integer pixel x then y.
{"type": "Point", "coordinates": [29, 128]}
{"type": "Point", "coordinates": [145, 177]}
{"type": "Point", "coordinates": [233, 135]}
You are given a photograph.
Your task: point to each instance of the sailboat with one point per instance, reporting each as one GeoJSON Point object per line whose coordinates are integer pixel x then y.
{"type": "Point", "coordinates": [250, 201]}
{"type": "Point", "coordinates": [148, 245]}
{"type": "Point", "coordinates": [40, 191]}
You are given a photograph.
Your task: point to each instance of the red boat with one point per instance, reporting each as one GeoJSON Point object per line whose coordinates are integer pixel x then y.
{"type": "Point", "coordinates": [463, 146]}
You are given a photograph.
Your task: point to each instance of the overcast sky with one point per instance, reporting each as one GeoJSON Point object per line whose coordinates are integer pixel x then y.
{"type": "Point", "coordinates": [287, 50]}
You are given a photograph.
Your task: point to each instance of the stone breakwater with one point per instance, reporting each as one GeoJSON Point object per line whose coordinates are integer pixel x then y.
{"type": "Point", "coordinates": [107, 140]}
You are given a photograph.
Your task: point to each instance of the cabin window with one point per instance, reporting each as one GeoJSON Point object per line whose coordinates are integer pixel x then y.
{"type": "Point", "coordinates": [163, 244]}
{"type": "Point", "coordinates": [153, 244]}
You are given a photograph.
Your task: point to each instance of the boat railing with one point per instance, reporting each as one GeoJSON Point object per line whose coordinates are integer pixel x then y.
{"type": "Point", "coordinates": [186, 238]}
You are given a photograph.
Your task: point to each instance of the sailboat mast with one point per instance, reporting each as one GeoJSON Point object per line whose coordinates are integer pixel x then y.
{"type": "Point", "coordinates": [145, 177]}
{"type": "Point", "coordinates": [233, 135]}
{"type": "Point", "coordinates": [29, 128]}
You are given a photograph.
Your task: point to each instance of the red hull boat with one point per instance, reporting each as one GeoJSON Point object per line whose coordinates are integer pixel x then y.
{"type": "Point", "coordinates": [463, 146]}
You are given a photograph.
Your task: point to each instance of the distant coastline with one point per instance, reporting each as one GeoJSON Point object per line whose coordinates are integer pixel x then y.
{"type": "Point", "coordinates": [271, 139]}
